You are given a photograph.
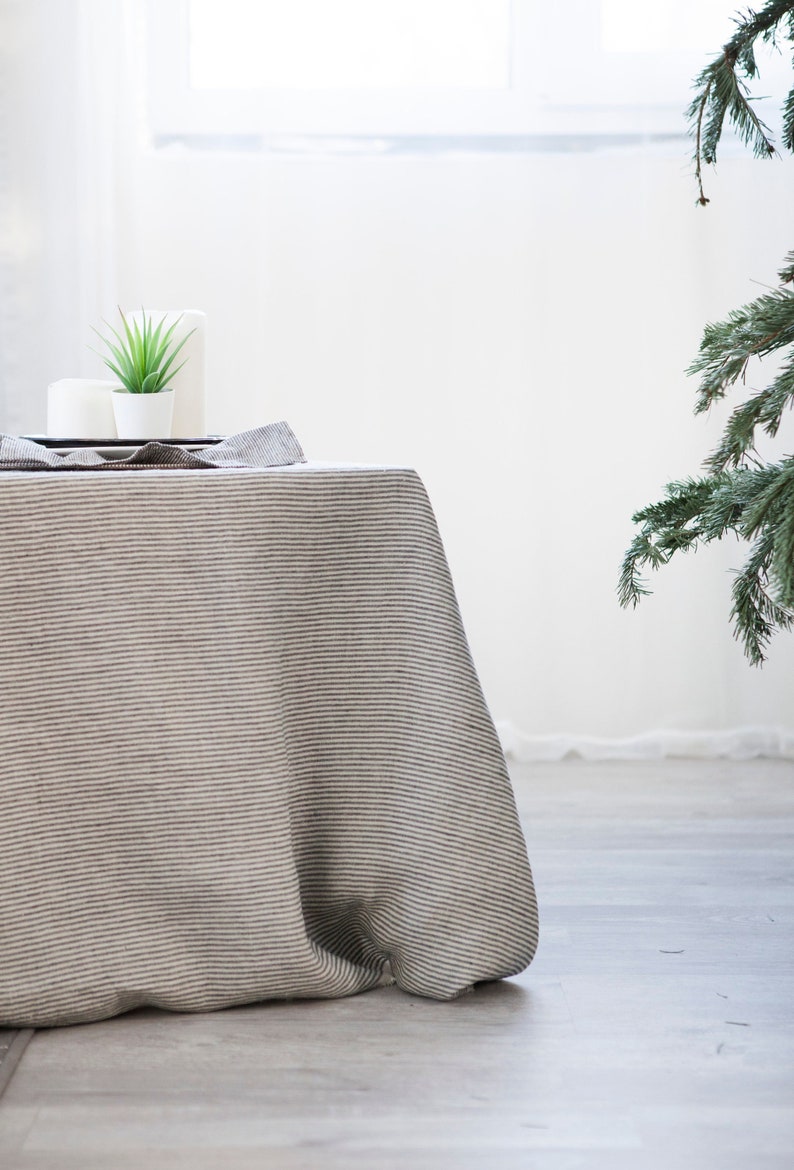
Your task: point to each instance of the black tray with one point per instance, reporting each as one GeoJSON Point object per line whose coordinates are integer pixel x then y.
{"type": "Point", "coordinates": [72, 444]}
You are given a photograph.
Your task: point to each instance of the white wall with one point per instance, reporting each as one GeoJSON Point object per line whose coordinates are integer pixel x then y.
{"type": "Point", "coordinates": [516, 327]}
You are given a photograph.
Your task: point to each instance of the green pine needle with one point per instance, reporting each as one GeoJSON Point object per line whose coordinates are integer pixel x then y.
{"type": "Point", "coordinates": [740, 494]}
{"type": "Point", "coordinates": [721, 90]}
{"type": "Point", "coordinates": [754, 504]}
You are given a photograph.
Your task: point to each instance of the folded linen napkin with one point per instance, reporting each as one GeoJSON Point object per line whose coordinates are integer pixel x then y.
{"type": "Point", "coordinates": [273, 445]}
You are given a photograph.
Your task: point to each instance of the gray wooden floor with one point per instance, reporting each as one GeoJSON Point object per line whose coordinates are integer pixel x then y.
{"type": "Point", "coordinates": [655, 1030]}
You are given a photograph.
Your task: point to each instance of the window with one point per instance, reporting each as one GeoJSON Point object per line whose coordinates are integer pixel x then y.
{"type": "Point", "coordinates": [330, 67]}
{"type": "Point", "coordinates": [349, 44]}
{"type": "Point", "coordinates": [427, 69]}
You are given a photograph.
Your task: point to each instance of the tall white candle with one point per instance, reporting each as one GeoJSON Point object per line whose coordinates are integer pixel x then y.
{"type": "Point", "coordinates": [80, 408]}
{"type": "Point", "coordinates": [189, 384]}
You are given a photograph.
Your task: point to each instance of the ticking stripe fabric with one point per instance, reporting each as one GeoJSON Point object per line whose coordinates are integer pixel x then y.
{"type": "Point", "coordinates": [244, 751]}
{"type": "Point", "coordinates": [273, 445]}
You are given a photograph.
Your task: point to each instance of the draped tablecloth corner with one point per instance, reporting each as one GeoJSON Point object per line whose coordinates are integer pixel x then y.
{"type": "Point", "coordinates": [245, 750]}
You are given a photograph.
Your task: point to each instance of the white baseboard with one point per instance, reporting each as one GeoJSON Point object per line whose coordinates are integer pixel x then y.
{"type": "Point", "coordinates": [741, 743]}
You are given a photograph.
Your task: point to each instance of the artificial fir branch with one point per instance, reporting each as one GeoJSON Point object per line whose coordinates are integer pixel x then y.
{"type": "Point", "coordinates": [740, 494]}
{"type": "Point", "coordinates": [756, 615]}
{"type": "Point", "coordinates": [772, 511]}
{"type": "Point", "coordinates": [764, 411]}
{"type": "Point", "coordinates": [721, 91]}
{"type": "Point", "coordinates": [788, 122]}
{"type": "Point", "coordinates": [755, 330]}
{"type": "Point", "coordinates": [668, 526]}
{"type": "Point", "coordinates": [755, 504]}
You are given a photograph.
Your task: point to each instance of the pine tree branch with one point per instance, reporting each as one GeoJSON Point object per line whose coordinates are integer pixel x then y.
{"type": "Point", "coordinates": [667, 527]}
{"type": "Point", "coordinates": [788, 122]}
{"type": "Point", "coordinates": [772, 511]}
{"type": "Point", "coordinates": [763, 410]}
{"type": "Point", "coordinates": [783, 557]}
{"type": "Point", "coordinates": [697, 112]}
{"type": "Point", "coordinates": [755, 614]}
{"type": "Point", "coordinates": [721, 92]}
{"type": "Point", "coordinates": [756, 329]}
{"type": "Point", "coordinates": [755, 504]}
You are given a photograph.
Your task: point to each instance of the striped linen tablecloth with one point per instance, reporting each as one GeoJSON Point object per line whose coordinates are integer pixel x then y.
{"type": "Point", "coordinates": [244, 753]}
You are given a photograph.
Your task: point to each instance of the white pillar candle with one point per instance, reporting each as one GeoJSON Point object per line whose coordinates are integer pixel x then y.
{"type": "Point", "coordinates": [80, 408]}
{"type": "Point", "coordinates": [189, 384]}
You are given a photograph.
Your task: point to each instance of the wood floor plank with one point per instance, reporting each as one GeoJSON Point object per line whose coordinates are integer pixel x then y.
{"type": "Point", "coordinates": [13, 1042]}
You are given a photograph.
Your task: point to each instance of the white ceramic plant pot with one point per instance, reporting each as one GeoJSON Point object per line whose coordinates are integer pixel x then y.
{"type": "Point", "coordinates": [81, 408]}
{"type": "Point", "coordinates": [143, 416]}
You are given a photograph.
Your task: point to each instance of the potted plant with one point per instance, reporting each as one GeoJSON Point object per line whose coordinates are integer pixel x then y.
{"type": "Point", "coordinates": [143, 361]}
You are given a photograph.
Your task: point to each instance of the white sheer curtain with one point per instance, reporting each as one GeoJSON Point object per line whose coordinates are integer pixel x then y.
{"type": "Point", "coordinates": [67, 134]}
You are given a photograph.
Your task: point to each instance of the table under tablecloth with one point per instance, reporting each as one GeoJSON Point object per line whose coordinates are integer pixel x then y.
{"type": "Point", "coordinates": [244, 752]}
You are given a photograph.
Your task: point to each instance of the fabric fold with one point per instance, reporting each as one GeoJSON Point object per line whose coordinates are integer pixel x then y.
{"type": "Point", "coordinates": [273, 445]}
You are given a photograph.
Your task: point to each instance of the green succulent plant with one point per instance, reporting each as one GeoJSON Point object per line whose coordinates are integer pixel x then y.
{"type": "Point", "coordinates": [144, 358]}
